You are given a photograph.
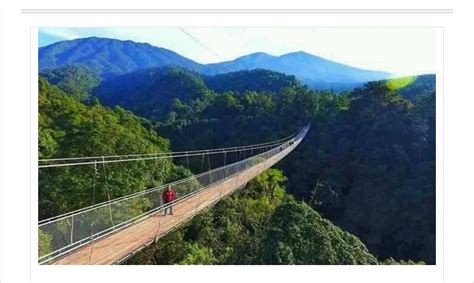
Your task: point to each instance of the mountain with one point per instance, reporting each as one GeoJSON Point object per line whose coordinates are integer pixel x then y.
{"type": "Point", "coordinates": [109, 57]}
{"type": "Point", "coordinates": [150, 92]}
{"type": "Point", "coordinates": [313, 70]}
{"type": "Point", "coordinates": [112, 57]}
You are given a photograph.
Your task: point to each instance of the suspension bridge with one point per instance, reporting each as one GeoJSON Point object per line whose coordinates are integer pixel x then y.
{"type": "Point", "coordinates": [110, 232]}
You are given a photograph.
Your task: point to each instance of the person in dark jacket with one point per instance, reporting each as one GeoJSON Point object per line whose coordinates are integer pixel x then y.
{"type": "Point", "coordinates": [169, 196]}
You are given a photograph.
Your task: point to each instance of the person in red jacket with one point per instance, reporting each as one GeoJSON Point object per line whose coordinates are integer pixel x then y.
{"type": "Point", "coordinates": [169, 196]}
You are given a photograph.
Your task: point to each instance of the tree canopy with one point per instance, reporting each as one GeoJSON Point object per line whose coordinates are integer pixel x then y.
{"type": "Point", "coordinates": [367, 165]}
{"type": "Point", "coordinates": [261, 224]}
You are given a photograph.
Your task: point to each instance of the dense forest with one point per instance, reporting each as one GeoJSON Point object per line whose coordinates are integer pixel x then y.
{"type": "Point", "coordinates": [68, 127]}
{"type": "Point", "coordinates": [261, 224]}
{"type": "Point", "coordinates": [360, 189]}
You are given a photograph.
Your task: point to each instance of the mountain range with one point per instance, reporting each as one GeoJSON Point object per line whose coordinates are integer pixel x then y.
{"type": "Point", "coordinates": [111, 57]}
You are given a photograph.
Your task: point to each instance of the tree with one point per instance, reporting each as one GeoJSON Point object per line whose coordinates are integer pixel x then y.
{"type": "Point", "coordinates": [75, 80]}
{"type": "Point", "coordinates": [299, 235]}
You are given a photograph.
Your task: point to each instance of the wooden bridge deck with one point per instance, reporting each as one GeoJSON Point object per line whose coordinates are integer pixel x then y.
{"type": "Point", "coordinates": [121, 244]}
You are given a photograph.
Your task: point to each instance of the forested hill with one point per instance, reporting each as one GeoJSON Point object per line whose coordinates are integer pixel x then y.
{"type": "Point", "coordinates": [151, 92]}
{"type": "Point", "coordinates": [368, 162]}
{"type": "Point", "coordinates": [75, 80]}
{"type": "Point", "coordinates": [158, 93]}
{"type": "Point", "coordinates": [254, 226]}
{"type": "Point", "coordinates": [253, 80]}
{"type": "Point", "coordinates": [418, 87]}
{"type": "Point", "coordinates": [110, 57]}
{"type": "Point", "coordinates": [69, 128]}
{"type": "Point", "coordinates": [261, 224]}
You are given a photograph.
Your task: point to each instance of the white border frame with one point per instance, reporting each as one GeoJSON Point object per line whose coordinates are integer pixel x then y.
{"type": "Point", "coordinates": [216, 274]}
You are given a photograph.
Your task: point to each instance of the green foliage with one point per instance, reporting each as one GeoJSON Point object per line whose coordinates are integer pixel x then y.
{"type": "Point", "coordinates": [44, 243]}
{"type": "Point", "coordinates": [74, 80]}
{"type": "Point", "coordinates": [370, 167]}
{"type": "Point", "coordinates": [152, 92]}
{"type": "Point", "coordinates": [250, 80]}
{"type": "Point", "coordinates": [269, 183]}
{"type": "Point", "coordinates": [68, 128]}
{"type": "Point", "coordinates": [299, 235]}
{"type": "Point", "coordinates": [368, 164]}
{"type": "Point", "coordinates": [391, 261]}
{"type": "Point", "coordinates": [259, 225]}
{"type": "Point", "coordinates": [228, 119]}
{"type": "Point", "coordinates": [199, 255]}
{"type": "Point", "coordinates": [422, 86]}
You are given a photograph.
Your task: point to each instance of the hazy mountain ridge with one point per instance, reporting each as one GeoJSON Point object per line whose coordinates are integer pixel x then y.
{"type": "Point", "coordinates": [112, 57]}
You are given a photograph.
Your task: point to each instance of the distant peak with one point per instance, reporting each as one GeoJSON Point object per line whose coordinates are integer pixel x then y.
{"type": "Point", "coordinates": [94, 39]}
{"type": "Point", "coordinates": [300, 54]}
{"type": "Point", "coordinates": [256, 54]}
{"type": "Point", "coordinates": [259, 54]}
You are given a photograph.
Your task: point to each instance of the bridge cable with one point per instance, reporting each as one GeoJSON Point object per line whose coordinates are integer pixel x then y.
{"type": "Point", "coordinates": [96, 173]}
{"type": "Point", "coordinates": [146, 158]}
{"type": "Point", "coordinates": [197, 152]}
{"type": "Point", "coordinates": [151, 175]}
{"type": "Point", "coordinates": [96, 176]}
{"type": "Point", "coordinates": [187, 160]}
{"type": "Point", "coordinates": [202, 163]}
{"type": "Point", "coordinates": [209, 166]}
{"type": "Point", "coordinates": [225, 164]}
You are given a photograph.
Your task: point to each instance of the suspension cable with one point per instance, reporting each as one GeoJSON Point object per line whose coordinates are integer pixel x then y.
{"type": "Point", "coordinates": [167, 154]}
{"type": "Point", "coordinates": [110, 201]}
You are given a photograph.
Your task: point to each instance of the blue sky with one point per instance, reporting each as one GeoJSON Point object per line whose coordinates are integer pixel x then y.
{"type": "Point", "coordinates": [394, 49]}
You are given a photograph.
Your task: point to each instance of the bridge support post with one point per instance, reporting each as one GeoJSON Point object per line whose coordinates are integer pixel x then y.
{"type": "Point", "coordinates": [72, 229]}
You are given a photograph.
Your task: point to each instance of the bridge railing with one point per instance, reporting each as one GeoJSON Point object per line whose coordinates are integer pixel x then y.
{"type": "Point", "coordinates": [63, 234]}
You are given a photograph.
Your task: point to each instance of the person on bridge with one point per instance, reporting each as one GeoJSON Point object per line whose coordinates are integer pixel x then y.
{"type": "Point", "coordinates": [169, 196]}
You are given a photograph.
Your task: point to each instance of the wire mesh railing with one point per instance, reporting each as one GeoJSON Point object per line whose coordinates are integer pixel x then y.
{"type": "Point", "coordinates": [78, 161]}
{"type": "Point", "coordinates": [62, 234]}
